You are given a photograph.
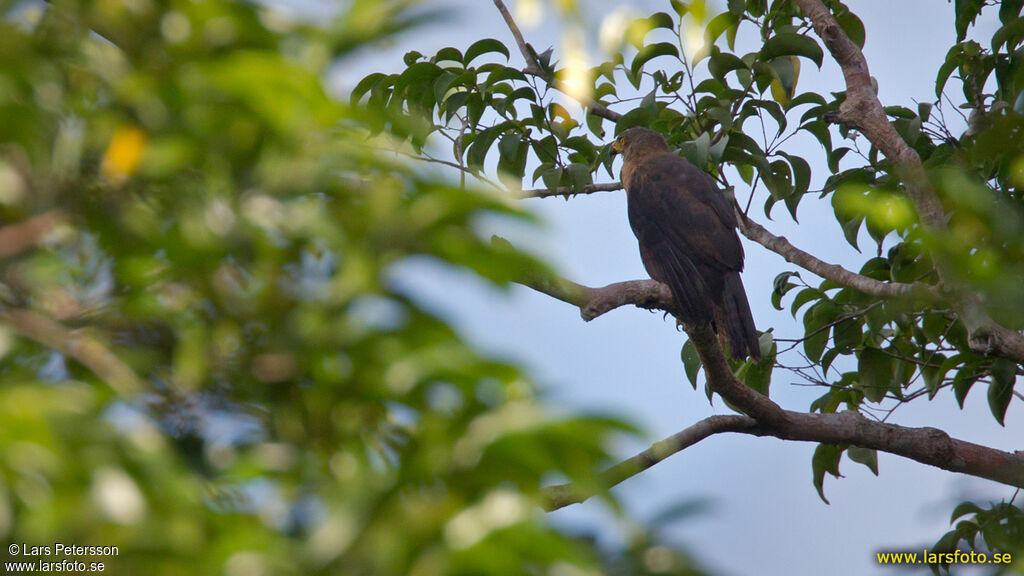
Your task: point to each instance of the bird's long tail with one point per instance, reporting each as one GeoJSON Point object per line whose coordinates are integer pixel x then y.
{"type": "Point", "coordinates": [739, 324]}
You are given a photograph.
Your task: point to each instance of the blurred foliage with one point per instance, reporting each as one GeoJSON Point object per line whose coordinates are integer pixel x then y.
{"type": "Point", "coordinates": [203, 360]}
{"type": "Point", "coordinates": [722, 83]}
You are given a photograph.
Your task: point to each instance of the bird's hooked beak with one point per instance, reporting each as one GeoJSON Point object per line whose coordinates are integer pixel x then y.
{"type": "Point", "coordinates": [618, 146]}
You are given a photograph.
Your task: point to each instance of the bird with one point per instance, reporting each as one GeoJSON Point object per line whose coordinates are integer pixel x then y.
{"type": "Point", "coordinates": [686, 230]}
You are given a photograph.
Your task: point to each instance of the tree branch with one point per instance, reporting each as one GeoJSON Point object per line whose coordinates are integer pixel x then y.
{"type": "Point", "coordinates": [533, 67]}
{"type": "Point", "coordinates": [87, 351]}
{"type": "Point", "coordinates": [784, 248]}
{"type": "Point", "coordinates": [593, 302]}
{"type": "Point", "coordinates": [834, 272]}
{"type": "Point", "coordinates": [931, 446]}
{"type": "Point", "coordinates": [563, 495]}
{"type": "Point", "coordinates": [568, 191]}
{"type": "Point", "coordinates": [16, 238]}
{"type": "Point", "coordinates": [864, 111]}
{"type": "Point", "coordinates": [926, 445]}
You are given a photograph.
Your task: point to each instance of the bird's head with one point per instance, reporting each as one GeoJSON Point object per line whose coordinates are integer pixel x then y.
{"type": "Point", "coordinates": [637, 143]}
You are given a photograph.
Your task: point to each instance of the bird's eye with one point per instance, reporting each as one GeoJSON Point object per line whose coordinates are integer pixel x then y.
{"type": "Point", "coordinates": [622, 142]}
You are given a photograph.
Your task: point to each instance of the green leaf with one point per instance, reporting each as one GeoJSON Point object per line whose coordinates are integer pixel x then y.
{"type": "Point", "coordinates": [767, 345]}
{"type": "Point", "coordinates": [1010, 9]}
{"type": "Point", "coordinates": [635, 117]}
{"type": "Point", "coordinates": [660, 20]}
{"type": "Point", "coordinates": [828, 358]}
{"type": "Point", "coordinates": [412, 57]}
{"type": "Point", "coordinates": [820, 131]}
{"type": "Point", "coordinates": [1000, 391]}
{"type": "Point", "coordinates": [847, 334]}
{"type": "Point", "coordinates": [605, 89]}
{"type": "Point", "coordinates": [779, 180]}
{"type": "Point", "coordinates": [790, 44]}
{"type": "Point", "coordinates": [806, 98]}
{"type": "Point", "coordinates": [786, 71]}
{"type": "Point", "coordinates": [364, 86]}
{"type": "Point", "coordinates": [552, 177]}
{"type": "Point", "coordinates": [962, 383]}
{"type": "Point", "coordinates": [851, 230]}
{"type": "Point", "coordinates": [481, 47]}
{"type": "Point", "coordinates": [442, 83]}
{"type": "Point", "coordinates": [853, 27]}
{"type": "Point", "coordinates": [963, 509]}
{"type": "Point", "coordinates": [954, 58]}
{"type": "Point", "coordinates": [758, 375]}
{"type": "Point", "coordinates": [966, 12]}
{"type": "Point", "coordinates": [503, 73]}
{"type": "Point", "coordinates": [477, 152]}
{"type": "Point", "coordinates": [691, 362]}
{"type": "Point", "coordinates": [512, 154]}
{"type": "Point", "coordinates": [697, 151]}
{"type": "Point", "coordinates": [649, 52]}
{"type": "Point", "coordinates": [724, 22]}
{"type": "Point", "coordinates": [934, 375]}
{"type": "Point", "coordinates": [826, 459]}
{"type": "Point", "coordinates": [801, 180]}
{"type": "Point", "coordinates": [448, 54]}
{"type": "Point", "coordinates": [876, 373]}
{"type": "Point", "coordinates": [781, 284]}
{"type": "Point", "coordinates": [1010, 34]}
{"type": "Point", "coordinates": [578, 175]}
{"type": "Point", "coordinates": [419, 74]}
{"type": "Point", "coordinates": [865, 456]}
{"type": "Point", "coordinates": [924, 110]}
{"type": "Point", "coordinates": [803, 297]}
{"type": "Point", "coordinates": [816, 328]}
{"type": "Point", "coordinates": [721, 63]}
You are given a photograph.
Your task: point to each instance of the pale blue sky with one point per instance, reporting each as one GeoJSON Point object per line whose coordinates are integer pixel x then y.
{"type": "Point", "coordinates": [767, 518]}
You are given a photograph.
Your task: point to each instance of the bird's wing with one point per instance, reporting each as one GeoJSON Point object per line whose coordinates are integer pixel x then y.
{"type": "Point", "coordinates": [686, 231]}
{"type": "Point", "coordinates": [682, 204]}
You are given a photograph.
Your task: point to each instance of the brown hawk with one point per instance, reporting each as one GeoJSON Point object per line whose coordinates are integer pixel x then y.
{"type": "Point", "coordinates": [687, 234]}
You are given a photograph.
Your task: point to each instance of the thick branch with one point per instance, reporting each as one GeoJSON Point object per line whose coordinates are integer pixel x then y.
{"type": "Point", "coordinates": [863, 110]}
{"type": "Point", "coordinates": [593, 302]}
{"type": "Point", "coordinates": [563, 495]}
{"type": "Point", "coordinates": [87, 351]}
{"type": "Point", "coordinates": [834, 272]}
{"type": "Point", "coordinates": [784, 248]}
{"type": "Point", "coordinates": [926, 445]}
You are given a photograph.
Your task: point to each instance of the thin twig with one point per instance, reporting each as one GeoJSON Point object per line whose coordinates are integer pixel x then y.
{"type": "Point", "coordinates": [534, 69]}
{"type": "Point", "coordinates": [532, 66]}
{"type": "Point", "coordinates": [563, 495]}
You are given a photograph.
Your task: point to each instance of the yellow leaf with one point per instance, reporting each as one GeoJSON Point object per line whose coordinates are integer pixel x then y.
{"type": "Point", "coordinates": [123, 153]}
{"type": "Point", "coordinates": [783, 93]}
